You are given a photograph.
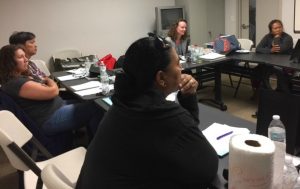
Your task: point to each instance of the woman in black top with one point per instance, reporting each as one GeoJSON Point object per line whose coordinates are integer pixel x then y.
{"type": "Point", "coordinates": [145, 141]}
{"type": "Point", "coordinates": [276, 41]}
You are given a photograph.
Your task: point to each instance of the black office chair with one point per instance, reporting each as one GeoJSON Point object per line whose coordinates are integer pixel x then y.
{"type": "Point", "coordinates": [288, 107]}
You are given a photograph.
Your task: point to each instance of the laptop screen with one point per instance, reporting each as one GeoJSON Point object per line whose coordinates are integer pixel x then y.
{"type": "Point", "coordinates": [296, 53]}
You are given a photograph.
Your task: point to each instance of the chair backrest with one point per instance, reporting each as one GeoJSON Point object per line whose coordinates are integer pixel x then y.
{"type": "Point", "coordinates": [287, 106]}
{"type": "Point", "coordinates": [55, 144]}
{"type": "Point", "coordinates": [68, 53]}
{"type": "Point", "coordinates": [42, 66]}
{"type": "Point", "coordinates": [53, 178]}
{"type": "Point", "coordinates": [13, 131]}
{"type": "Point", "coordinates": [246, 44]}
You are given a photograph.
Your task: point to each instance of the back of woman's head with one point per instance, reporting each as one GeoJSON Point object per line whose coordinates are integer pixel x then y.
{"type": "Point", "coordinates": [20, 37]}
{"type": "Point", "coordinates": [7, 62]}
{"type": "Point", "coordinates": [143, 59]}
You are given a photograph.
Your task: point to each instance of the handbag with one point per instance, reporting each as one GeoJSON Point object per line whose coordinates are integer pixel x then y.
{"type": "Point", "coordinates": [226, 44]}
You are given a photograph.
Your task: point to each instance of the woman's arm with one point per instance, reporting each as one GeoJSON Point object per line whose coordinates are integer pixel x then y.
{"type": "Point", "coordinates": [37, 91]}
{"type": "Point", "coordinates": [287, 44]}
{"type": "Point", "coordinates": [263, 46]}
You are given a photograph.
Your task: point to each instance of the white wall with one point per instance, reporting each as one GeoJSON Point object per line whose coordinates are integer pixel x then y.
{"type": "Point", "coordinates": [92, 26]}
{"type": "Point", "coordinates": [231, 17]}
{"type": "Point", "coordinates": [288, 18]}
{"type": "Point", "coordinates": [266, 11]}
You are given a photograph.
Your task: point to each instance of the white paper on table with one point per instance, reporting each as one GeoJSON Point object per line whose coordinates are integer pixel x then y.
{"type": "Point", "coordinates": [77, 71]}
{"type": "Point", "coordinates": [215, 130]}
{"type": "Point", "coordinates": [212, 56]}
{"type": "Point", "coordinates": [67, 77]}
{"type": "Point", "coordinates": [89, 91]}
{"type": "Point", "coordinates": [87, 85]}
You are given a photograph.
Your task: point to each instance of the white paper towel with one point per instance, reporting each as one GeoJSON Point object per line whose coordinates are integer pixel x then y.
{"type": "Point", "coordinates": [251, 160]}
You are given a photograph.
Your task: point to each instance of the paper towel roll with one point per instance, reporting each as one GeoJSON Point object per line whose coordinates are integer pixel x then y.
{"type": "Point", "coordinates": [250, 162]}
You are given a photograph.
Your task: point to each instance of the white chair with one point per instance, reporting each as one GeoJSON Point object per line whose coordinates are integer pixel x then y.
{"type": "Point", "coordinates": [42, 66]}
{"type": "Point", "coordinates": [14, 135]}
{"type": "Point", "coordinates": [53, 178]}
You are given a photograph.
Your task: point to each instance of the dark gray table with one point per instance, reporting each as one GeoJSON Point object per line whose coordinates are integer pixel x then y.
{"type": "Point", "coordinates": [208, 116]}
{"type": "Point", "coordinates": [280, 60]}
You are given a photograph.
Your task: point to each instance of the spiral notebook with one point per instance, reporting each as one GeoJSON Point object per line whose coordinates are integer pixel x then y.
{"type": "Point", "coordinates": [218, 135]}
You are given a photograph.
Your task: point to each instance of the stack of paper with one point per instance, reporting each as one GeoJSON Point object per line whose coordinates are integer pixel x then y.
{"type": "Point", "coordinates": [212, 56]}
{"type": "Point", "coordinates": [218, 135]}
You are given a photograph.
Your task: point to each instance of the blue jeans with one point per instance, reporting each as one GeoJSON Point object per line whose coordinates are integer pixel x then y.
{"type": "Point", "coordinates": [73, 116]}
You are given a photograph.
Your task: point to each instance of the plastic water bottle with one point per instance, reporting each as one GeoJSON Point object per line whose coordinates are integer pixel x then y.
{"type": "Point", "coordinates": [290, 173]}
{"type": "Point", "coordinates": [95, 60]}
{"type": "Point", "coordinates": [104, 78]}
{"type": "Point", "coordinates": [88, 64]}
{"type": "Point", "coordinates": [276, 133]}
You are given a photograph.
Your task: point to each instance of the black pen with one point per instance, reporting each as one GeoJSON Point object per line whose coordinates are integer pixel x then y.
{"type": "Point", "coordinates": [224, 135]}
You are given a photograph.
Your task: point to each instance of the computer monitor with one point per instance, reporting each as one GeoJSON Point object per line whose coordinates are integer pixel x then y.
{"type": "Point", "coordinates": [166, 16]}
{"type": "Point", "coordinates": [296, 53]}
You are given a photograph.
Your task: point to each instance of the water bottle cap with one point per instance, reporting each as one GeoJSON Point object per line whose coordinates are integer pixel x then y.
{"type": "Point", "coordinates": [276, 117]}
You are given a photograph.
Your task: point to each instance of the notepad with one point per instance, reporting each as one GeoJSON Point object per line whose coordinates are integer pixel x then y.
{"type": "Point", "coordinates": [218, 135]}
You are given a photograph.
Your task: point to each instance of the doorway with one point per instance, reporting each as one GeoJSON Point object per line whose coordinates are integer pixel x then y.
{"type": "Point", "coordinates": [247, 19]}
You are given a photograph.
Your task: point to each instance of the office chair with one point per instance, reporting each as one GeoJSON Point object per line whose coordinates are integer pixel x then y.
{"type": "Point", "coordinates": [53, 178]}
{"type": "Point", "coordinates": [287, 106]}
{"type": "Point", "coordinates": [69, 163]}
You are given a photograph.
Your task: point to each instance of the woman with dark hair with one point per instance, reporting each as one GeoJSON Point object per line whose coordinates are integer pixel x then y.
{"type": "Point", "coordinates": [27, 40]}
{"type": "Point", "coordinates": [178, 37]}
{"type": "Point", "coordinates": [145, 141]}
{"type": "Point", "coordinates": [276, 41]}
{"type": "Point", "coordinates": [39, 98]}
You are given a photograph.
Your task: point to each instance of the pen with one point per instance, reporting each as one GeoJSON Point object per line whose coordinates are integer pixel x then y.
{"type": "Point", "coordinates": [224, 135]}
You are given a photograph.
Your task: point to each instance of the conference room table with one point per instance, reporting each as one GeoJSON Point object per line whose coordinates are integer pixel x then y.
{"type": "Point", "coordinates": [280, 60]}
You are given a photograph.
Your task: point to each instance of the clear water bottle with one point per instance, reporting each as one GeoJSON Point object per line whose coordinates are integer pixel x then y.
{"type": "Point", "coordinates": [104, 78]}
{"type": "Point", "coordinates": [276, 133]}
{"type": "Point", "coordinates": [95, 60]}
{"type": "Point", "coordinates": [88, 64]}
{"type": "Point", "coordinates": [290, 173]}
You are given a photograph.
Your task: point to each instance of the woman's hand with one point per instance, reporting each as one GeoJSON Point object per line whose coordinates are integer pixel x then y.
{"type": "Point", "coordinates": [188, 84]}
{"type": "Point", "coordinates": [275, 49]}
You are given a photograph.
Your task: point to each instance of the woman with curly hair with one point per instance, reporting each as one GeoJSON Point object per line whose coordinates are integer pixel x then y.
{"type": "Point", "coordinates": [178, 37]}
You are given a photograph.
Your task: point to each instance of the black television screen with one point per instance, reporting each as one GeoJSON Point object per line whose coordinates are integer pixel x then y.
{"type": "Point", "coordinates": [296, 53]}
{"type": "Point", "coordinates": [170, 16]}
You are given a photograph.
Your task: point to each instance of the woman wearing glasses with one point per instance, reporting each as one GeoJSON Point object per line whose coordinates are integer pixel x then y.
{"type": "Point", "coordinates": [145, 141]}
{"type": "Point", "coordinates": [178, 37]}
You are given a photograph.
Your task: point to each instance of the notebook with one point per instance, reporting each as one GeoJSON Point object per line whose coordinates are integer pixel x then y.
{"type": "Point", "coordinates": [218, 135]}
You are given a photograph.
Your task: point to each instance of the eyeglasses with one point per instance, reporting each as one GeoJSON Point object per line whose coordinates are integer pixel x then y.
{"type": "Point", "coordinates": [159, 41]}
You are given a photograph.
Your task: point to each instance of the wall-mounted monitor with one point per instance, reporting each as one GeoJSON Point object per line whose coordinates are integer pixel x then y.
{"type": "Point", "coordinates": [166, 16]}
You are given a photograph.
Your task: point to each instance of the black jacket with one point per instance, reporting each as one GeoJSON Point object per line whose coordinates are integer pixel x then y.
{"type": "Point", "coordinates": [149, 142]}
{"type": "Point", "coordinates": [285, 43]}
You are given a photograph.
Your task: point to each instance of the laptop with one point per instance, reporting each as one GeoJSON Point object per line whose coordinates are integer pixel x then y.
{"type": "Point", "coordinates": [295, 56]}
